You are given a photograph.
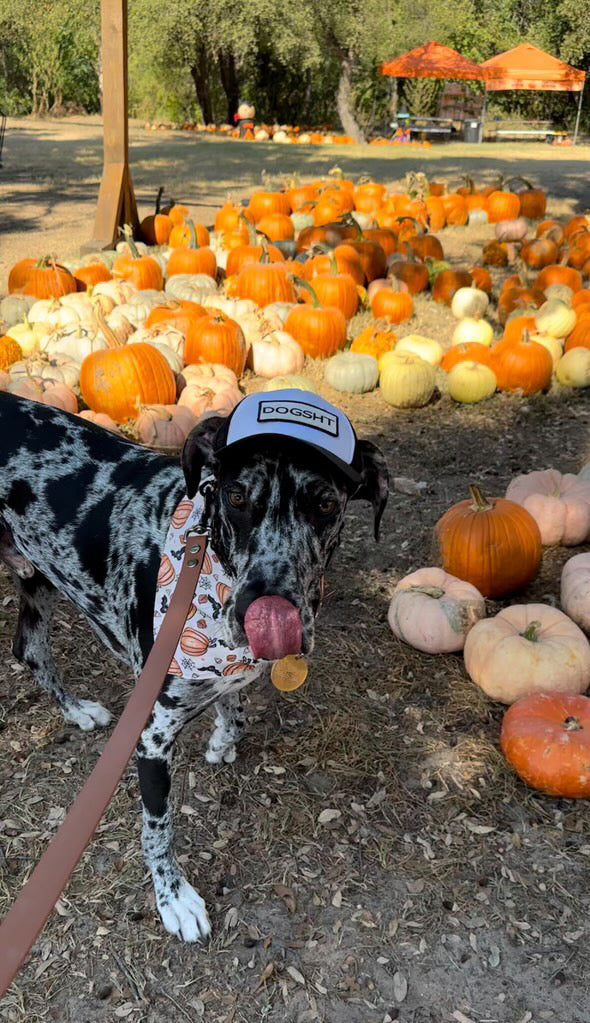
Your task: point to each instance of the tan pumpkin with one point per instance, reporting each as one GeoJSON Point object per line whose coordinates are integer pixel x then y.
{"type": "Point", "coordinates": [216, 397]}
{"type": "Point", "coordinates": [165, 426]}
{"type": "Point", "coordinates": [433, 611]}
{"type": "Point", "coordinates": [575, 590]}
{"type": "Point", "coordinates": [99, 419]}
{"type": "Point", "coordinates": [275, 354]}
{"type": "Point", "coordinates": [527, 648]}
{"type": "Point", "coordinates": [559, 504]}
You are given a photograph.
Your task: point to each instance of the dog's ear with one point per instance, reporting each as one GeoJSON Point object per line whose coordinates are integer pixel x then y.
{"type": "Point", "coordinates": [375, 479]}
{"type": "Point", "coordinates": [199, 450]}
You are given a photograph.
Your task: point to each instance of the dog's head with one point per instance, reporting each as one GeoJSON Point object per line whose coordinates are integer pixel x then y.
{"type": "Point", "coordinates": [277, 510]}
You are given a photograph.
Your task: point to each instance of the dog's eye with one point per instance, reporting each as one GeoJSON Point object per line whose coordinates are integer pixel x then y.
{"type": "Point", "coordinates": [236, 498]}
{"type": "Point", "coordinates": [327, 505]}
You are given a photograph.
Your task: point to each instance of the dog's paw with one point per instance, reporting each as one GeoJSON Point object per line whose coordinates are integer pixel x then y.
{"type": "Point", "coordinates": [87, 714]}
{"type": "Point", "coordinates": [184, 914]}
{"type": "Point", "coordinates": [225, 755]}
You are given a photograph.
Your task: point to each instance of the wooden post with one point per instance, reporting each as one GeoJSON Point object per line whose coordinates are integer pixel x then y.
{"type": "Point", "coordinates": [116, 199]}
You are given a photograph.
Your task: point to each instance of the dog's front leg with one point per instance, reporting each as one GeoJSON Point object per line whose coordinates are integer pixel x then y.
{"type": "Point", "coordinates": [230, 722]}
{"type": "Point", "coordinates": [182, 909]}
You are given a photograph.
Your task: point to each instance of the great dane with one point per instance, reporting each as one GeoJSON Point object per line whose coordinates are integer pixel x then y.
{"type": "Point", "coordinates": [87, 514]}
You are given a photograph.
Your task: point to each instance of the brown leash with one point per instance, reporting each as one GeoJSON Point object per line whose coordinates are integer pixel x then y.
{"type": "Point", "coordinates": [28, 915]}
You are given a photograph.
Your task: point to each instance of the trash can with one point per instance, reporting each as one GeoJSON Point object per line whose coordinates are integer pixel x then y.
{"type": "Point", "coordinates": [471, 130]}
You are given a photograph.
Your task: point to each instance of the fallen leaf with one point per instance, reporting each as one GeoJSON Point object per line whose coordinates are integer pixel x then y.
{"type": "Point", "coordinates": [296, 975]}
{"type": "Point", "coordinates": [288, 897]}
{"type": "Point", "coordinates": [400, 986]}
{"type": "Point", "coordinates": [337, 899]}
{"type": "Point", "coordinates": [328, 815]}
{"type": "Point", "coordinates": [494, 957]}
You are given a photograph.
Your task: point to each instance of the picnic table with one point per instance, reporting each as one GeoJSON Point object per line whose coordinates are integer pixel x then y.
{"type": "Point", "coordinates": [526, 129]}
{"type": "Point", "coordinates": [424, 126]}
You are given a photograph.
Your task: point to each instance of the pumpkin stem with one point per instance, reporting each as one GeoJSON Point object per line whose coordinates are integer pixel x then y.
{"type": "Point", "coordinates": [336, 172]}
{"type": "Point", "coordinates": [429, 591]}
{"type": "Point", "coordinates": [532, 632]}
{"type": "Point", "coordinates": [109, 334]}
{"type": "Point", "coordinates": [127, 232]}
{"type": "Point", "coordinates": [572, 724]}
{"type": "Point", "coordinates": [251, 228]}
{"type": "Point", "coordinates": [193, 243]}
{"type": "Point", "coordinates": [159, 198]}
{"type": "Point", "coordinates": [300, 283]}
{"type": "Point", "coordinates": [518, 177]}
{"type": "Point", "coordinates": [480, 501]}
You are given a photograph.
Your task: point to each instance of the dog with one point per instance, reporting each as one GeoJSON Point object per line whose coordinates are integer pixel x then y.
{"type": "Point", "coordinates": [85, 513]}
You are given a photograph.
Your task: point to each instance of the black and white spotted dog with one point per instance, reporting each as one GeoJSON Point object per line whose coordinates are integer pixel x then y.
{"type": "Point", "coordinates": [84, 513]}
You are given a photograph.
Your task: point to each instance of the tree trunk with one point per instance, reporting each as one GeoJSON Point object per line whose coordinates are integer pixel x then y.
{"type": "Point", "coordinates": [344, 100]}
{"type": "Point", "coordinates": [200, 76]}
{"type": "Point", "coordinates": [230, 83]}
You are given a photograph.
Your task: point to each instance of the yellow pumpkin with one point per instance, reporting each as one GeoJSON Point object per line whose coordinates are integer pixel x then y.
{"type": "Point", "coordinates": [424, 347]}
{"type": "Point", "coordinates": [406, 381]}
{"type": "Point", "coordinates": [470, 330]}
{"type": "Point", "coordinates": [573, 369]}
{"type": "Point", "coordinates": [470, 382]}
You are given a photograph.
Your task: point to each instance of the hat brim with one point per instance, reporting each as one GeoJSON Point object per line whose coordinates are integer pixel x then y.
{"type": "Point", "coordinates": [345, 468]}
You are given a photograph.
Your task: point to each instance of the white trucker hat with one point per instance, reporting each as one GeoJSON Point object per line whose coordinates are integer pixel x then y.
{"type": "Point", "coordinates": [300, 415]}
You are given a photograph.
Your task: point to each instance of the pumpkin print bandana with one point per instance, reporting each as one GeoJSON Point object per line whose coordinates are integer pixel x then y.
{"type": "Point", "coordinates": [202, 651]}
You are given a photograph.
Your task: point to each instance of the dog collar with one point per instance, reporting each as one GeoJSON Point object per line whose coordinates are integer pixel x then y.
{"type": "Point", "coordinates": [300, 415]}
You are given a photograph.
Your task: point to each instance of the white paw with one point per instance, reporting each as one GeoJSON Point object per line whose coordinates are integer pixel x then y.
{"type": "Point", "coordinates": [87, 715]}
{"type": "Point", "coordinates": [226, 755]}
{"type": "Point", "coordinates": [185, 914]}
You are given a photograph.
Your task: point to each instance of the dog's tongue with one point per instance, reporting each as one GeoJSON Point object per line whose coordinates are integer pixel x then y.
{"type": "Point", "coordinates": [274, 628]}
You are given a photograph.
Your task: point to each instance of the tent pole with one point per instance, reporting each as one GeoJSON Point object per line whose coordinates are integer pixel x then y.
{"type": "Point", "coordinates": [483, 115]}
{"type": "Point", "coordinates": [578, 114]}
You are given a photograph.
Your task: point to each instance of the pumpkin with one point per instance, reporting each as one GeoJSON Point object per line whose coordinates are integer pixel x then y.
{"type": "Point", "coordinates": [511, 230]}
{"type": "Point", "coordinates": [559, 504]}
{"type": "Point", "coordinates": [19, 274]}
{"type": "Point", "coordinates": [371, 256]}
{"type": "Point", "coordinates": [53, 313]}
{"type": "Point", "coordinates": [519, 325]}
{"type": "Point", "coordinates": [414, 275]}
{"type": "Point", "coordinates": [554, 346]}
{"type": "Point", "coordinates": [336, 290]}
{"type": "Point", "coordinates": [533, 201]}
{"type": "Point", "coordinates": [190, 287]}
{"type": "Point", "coordinates": [263, 204]}
{"type": "Point", "coordinates": [275, 354]}
{"type": "Point", "coordinates": [374, 340]}
{"type": "Point", "coordinates": [406, 381]}
{"type": "Point", "coordinates": [352, 373]}
{"type": "Point", "coordinates": [470, 382]}
{"type": "Point", "coordinates": [142, 271]}
{"type": "Point", "coordinates": [575, 590]}
{"type": "Point", "coordinates": [494, 544]}
{"type": "Point", "coordinates": [165, 426]}
{"type": "Point", "coordinates": [433, 611]}
{"type": "Point", "coordinates": [88, 276]}
{"type": "Point", "coordinates": [495, 253]}
{"type": "Point", "coordinates": [573, 369]}
{"type": "Point", "coordinates": [99, 419]}
{"type": "Point", "coordinates": [424, 347]}
{"type": "Point", "coordinates": [555, 318]}
{"type": "Point", "coordinates": [546, 739]}
{"type": "Point", "coordinates": [392, 306]}
{"type": "Point", "coordinates": [469, 302]}
{"type": "Point", "coordinates": [10, 352]}
{"type": "Point", "coordinates": [119, 381]}
{"type": "Point", "coordinates": [469, 331]}
{"type": "Point", "coordinates": [320, 331]}
{"type": "Point", "coordinates": [539, 253]}
{"type": "Point", "coordinates": [447, 282]}
{"type": "Point", "coordinates": [192, 259]}
{"type": "Point", "coordinates": [522, 366]}
{"type": "Point", "coordinates": [250, 252]}
{"type": "Point", "coordinates": [77, 341]}
{"type": "Point", "coordinates": [155, 228]}
{"type": "Point", "coordinates": [482, 279]}
{"type": "Point", "coordinates": [471, 352]}
{"type": "Point", "coordinates": [45, 370]}
{"type": "Point", "coordinates": [527, 648]}
{"type": "Point", "coordinates": [264, 283]}
{"type": "Point", "coordinates": [14, 308]}
{"type": "Point", "coordinates": [277, 227]}
{"type": "Point", "coordinates": [558, 274]}
{"type": "Point", "coordinates": [212, 397]}
{"type": "Point", "coordinates": [217, 338]}
{"type": "Point", "coordinates": [46, 278]}
{"type": "Point", "coordinates": [205, 373]}
{"type": "Point", "coordinates": [28, 335]}
{"type": "Point", "coordinates": [502, 206]}
{"type": "Point", "coordinates": [187, 234]}
{"type": "Point", "coordinates": [345, 259]}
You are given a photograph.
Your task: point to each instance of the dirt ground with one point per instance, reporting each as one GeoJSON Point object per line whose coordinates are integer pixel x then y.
{"type": "Point", "coordinates": [442, 890]}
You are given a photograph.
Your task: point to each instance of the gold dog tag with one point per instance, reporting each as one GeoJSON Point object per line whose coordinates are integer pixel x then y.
{"type": "Point", "coordinates": [289, 673]}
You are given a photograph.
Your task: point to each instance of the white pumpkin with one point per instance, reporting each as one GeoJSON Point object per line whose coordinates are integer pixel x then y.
{"type": "Point", "coordinates": [162, 333]}
{"type": "Point", "coordinates": [352, 373]}
{"type": "Point", "coordinates": [57, 369]}
{"type": "Point", "coordinates": [280, 310]}
{"type": "Point", "coordinates": [301, 221]}
{"type": "Point", "coordinates": [81, 302]}
{"type": "Point", "coordinates": [573, 369]}
{"type": "Point", "coordinates": [275, 354]}
{"type": "Point", "coordinates": [118, 291]}
{"type": "Point", "coordinates": [124, 249]}
{"type": "Point", "coordinates": [290, 382]}
{"type": "Point", "coordinates": [53, 313]}
{"type": "Point", "coordinates": [121, 327]}
{"type": "Point", "coordinates": [469, 301]}
{"type": "Point", "coordinates": [190, 287]}
{"type": "Point", "coordinates": [559, 503]}
{"type": "Point", "coordinates": [75, 342]}
{"type": "Point", "coordinates": [406, 381]}
{"type": "Point", "coordinates": [470, 329]}
{"type": "Point", "coordinates": [424, 347]}
{"type": "Point", "coordinates": [575, 590]}
{"type": "Point", "coordinates": [554, 345]}
{"type": "Point", "coordinates": [433, 611]}
{"type": "Point", "coordinates": [470, 382]}
{"type": "Point", "coordinates": [29, 335]}
{"type": "Point", "coordinates": [555, 318]}
{"type": "Point", "coordinates": [174, 360]}
{"type": "Point", "coordinates": [235, 308]}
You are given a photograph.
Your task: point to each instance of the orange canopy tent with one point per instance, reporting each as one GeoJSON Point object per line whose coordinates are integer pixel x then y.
{"type": "Point", "coordinates": [434, 61]}
{"type": "Point", "coordinates": [526, 67]}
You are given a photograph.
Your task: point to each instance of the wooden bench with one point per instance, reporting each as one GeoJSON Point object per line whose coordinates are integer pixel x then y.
{"type": "Point", "coordinates": [536, 129]}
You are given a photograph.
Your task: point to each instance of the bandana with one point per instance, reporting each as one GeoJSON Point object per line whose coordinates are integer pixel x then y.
{"type": "Point", "coordinates": [202, 651]}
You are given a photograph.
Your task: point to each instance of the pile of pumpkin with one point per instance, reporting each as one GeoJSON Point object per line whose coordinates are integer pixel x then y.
{"type": "Point", "coordinates": [532, 656]}
{"type": "Point", "coordinates": [157, 333]}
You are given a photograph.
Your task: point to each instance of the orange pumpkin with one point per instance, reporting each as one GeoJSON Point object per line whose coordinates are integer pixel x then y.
{"type": "Point", "coordinates": [522, 365]}
{"type": "Point", "coordinates": [19, 274]}
{"type": "Point", "coordinates": [219, 339]}
{"type": "Point", "coordinates": [343, 259]}
{"type": "Point", "coordinates": [502, 206]}
{"type": "Point", "coordinates": [118, 381]}
{"type": "Point", "coordinates": [393, 306]}
{"type": "Point", "coordinates": [469, 350]}
{"type": "Point", "coordinates": [372, 258]}
{"type": "Point", "coordinates": [155, 229]}
{"type": "Point", "coordinates": [178, 214]}
{"type": "Point", "coordinates": [447, 282]}
{"type": "Point", "coordinates": [455, 208]}
{"type": "Point", "coordinates": [320, 330]}
{"type": "Point", "coordinates": [142, 271]}
{"type": "Point", "coordinates": [517, 326]}
{"type": "Point", "coordinates": [539, 253]}
{"type": "Point", "coordinates": [482, 279]}
{"type": "Point", "coordinates": [194, 259]}
{"type": "Point", "coordinates": [264, 283]}
{"type": "Point", "coordinates": [424, 246]}
{"type": "Point", "coordinates": [558, 274]}
{"type": "Point", "coordinates": [546, 738]}
{"type": "Point", "coordinates": [43, 278]}
{"type": "Point", "coordinates": [300, 195]}
{"type": "Point", "coordinates": [94, 273]}
{"type": "Point", "coordinates": [337, 290]}
{"type": "Point", "coordinates": [228, 218]}
{"type": "Point", "coordinates": [436, 215]}
{"type": "Point", "coordinates": [277, 227]}
{"type": "Point", "coordinates": [181, 235]}
{"type": "Point", "coordinates": [374, 340]}
{"type": "Point", "coordinates": [414, 275]}
{"type": "Point", "coordinates": [493, 544]}
{"type": "Point", "coordinates": [264, 203]}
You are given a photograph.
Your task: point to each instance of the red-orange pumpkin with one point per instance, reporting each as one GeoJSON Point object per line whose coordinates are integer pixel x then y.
{"type": "Point", "coordinates": [546, 738]}
{"type": "Point", "coordinates": [393, 306]}
{"type": "Point", "coordinates": [217, 338]}
{"type": "Point", "coordinates": [522, 365]}
{"type": "Point", "coordinates": [320, 330]}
